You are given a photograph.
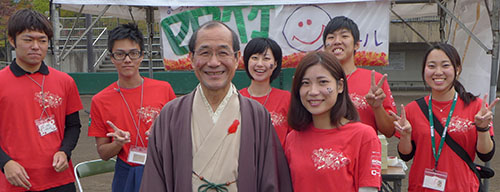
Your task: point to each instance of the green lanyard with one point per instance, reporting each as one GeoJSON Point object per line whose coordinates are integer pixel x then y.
{"type": "Point", "coordinates": [431, 121]}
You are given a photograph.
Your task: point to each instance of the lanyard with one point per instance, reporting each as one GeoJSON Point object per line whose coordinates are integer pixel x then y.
{"type": "Point", "coordinates": [138, 124]}
{"type": "Point", "coordinates": [42, 95]}
{"type": "Point", "coordinates": [431, 121]}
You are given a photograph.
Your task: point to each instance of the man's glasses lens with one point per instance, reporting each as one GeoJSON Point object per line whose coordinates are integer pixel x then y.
{"type": "Point", "coordinates": [122, 55]}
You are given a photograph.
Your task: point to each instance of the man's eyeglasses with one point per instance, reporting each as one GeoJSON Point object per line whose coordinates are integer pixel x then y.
{"type": "Point", "coordinates": [222, 55]}
{"type": "Point", "coordinates": [120, 56]}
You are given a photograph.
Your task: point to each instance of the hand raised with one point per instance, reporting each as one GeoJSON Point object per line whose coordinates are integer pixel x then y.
{"type": "Point", "coordinates": [484, 116]}
{"type": "Point", "coordinates": [402, 125]}
{"type": "Point", "coordinates": [16, 175]}
{"type": "Point", "coordinates": [120, 136]}
{"type": "Point", "coordinates": [375, 96]}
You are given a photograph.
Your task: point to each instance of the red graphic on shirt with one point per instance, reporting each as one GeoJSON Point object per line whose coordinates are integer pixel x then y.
{"type": "Point", "coordinates": [458, 124]}
{"type": "Point", "coordinates": [329, 159]}
{"type": "Point", "coordinates": [48, 99]}
{"type": "Point", "coordinates": [277, 118]}
{"type": "Point", "coordinates": [359, 101]}
{"type": "Point", "coordinates": [148, 114]}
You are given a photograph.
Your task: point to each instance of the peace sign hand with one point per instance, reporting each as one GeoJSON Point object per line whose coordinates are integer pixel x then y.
{"type": "Point", "coordinates": [483, 118]}
{"type": "Point", "coordinates": [120, 136]}
{"type": "Point", "coordinates": [402, 125]}
{"type": "Point", "coordinates": [375, 96]}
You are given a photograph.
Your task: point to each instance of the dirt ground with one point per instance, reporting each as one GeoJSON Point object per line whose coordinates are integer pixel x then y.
{"type": "Point", "coordinates": [86, 150]}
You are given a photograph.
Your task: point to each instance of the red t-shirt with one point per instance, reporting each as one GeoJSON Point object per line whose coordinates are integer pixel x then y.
{"type": "Point", "coordinates": [109, 105]}
{"type": "Point", "coordinates": [460, 177]}
{"type": "Point", "coordinates": [341, 159]}
{"type": "Point", "coordinates": [277, 105]}
{"type": "Point", "coordinates": [21, 105]}
{"type": "Point", "coordinates": [359, 84]}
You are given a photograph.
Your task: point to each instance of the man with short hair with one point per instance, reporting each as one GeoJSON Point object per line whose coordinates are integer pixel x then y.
{"type": "Point", "coordinates": [372, 97]}
{"type": "Point", "coordinates": [39, 121]}
{"type": "Point", "coordinates": [123, 112]}
{"type": "Point", "coordinates": [214, 138]}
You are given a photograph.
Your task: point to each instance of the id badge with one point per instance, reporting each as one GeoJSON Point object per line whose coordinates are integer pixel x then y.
{"type": "Point", "coordinates": [46, 125]}
{"type": "Point", "coordinates": [434, 179]}
{"type": "Point", "coordinates": [137, 155]}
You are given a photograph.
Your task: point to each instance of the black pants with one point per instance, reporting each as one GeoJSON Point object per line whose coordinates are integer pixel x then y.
{"type": "Point", "coordinates": [70, 187]}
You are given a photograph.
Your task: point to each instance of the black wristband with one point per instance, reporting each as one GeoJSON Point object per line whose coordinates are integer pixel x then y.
{"type": "Point", "coordinates": [483, 129]}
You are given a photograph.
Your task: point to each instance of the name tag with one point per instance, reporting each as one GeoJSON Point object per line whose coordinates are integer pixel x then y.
{"type": "Point", "coordinates": [46, 125]}
{"type": "Point", "coordinates": [434, 179]}
{"type": "Point", "coordinates": [137, 155]}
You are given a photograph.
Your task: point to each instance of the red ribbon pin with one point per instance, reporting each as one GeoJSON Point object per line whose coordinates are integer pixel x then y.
{"type": "Point", "coordinates": [232, 129]}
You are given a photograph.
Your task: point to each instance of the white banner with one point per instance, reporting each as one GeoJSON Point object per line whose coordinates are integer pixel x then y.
{"type": "Point", "coordinates": [476, 63]}
{"type": "Point", "coordinates": [177, 3]}
{"type": "Point", "coordinates": [297, 28]}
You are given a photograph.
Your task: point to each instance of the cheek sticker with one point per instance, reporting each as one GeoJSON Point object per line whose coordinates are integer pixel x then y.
{"type": "Point", "coordinates": [326, 91]}
{"type": "Point", "coordinates": [330, 90]}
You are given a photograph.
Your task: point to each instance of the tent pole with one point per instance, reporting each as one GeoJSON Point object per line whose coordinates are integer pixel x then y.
{"type": "Point", "coordinates": [474, 37]}
{"type": "Point", "coordinates": [411, 27]}
{"type": "Point", "coordinates": [84, 33]}
{"type": "Point", "coordinates": [494, 19]}
{"type": "Point", "coordinates": [150, 21]}
{"type": "Point", "coordinates": [57, 35]}
{"type": "Point", "coordinates": [71, 31]}
{"type": "Point", "coordinates": [442, 24]}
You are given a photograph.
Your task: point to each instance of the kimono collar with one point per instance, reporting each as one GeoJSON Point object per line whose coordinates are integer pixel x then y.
{"type": "Point", "coordinates": [215, 115]}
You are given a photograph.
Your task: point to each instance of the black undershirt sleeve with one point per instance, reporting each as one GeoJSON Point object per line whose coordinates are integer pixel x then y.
{"type": "Point", "coordinates": [408, 157]}
{"type": "Point", "coordinates": [4, 158]}
{"type": "Point", "coordinates": [71, 133]}
{"type": "Point", "coordinates": [488, 156]}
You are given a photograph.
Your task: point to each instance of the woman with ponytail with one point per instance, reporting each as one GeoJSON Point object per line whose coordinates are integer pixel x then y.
{"type": "Point", "coordinates": [448, 111]}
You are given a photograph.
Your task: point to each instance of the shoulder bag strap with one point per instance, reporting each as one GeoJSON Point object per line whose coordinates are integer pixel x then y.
{"type": "Point", "coordinates": [449, 141]}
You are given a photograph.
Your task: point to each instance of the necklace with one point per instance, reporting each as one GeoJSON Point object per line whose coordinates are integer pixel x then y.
{"type": "Point", "coordinates": [350, 74]}
{"type": "Point", "coordinates": [42, 94]}
{"type": "Point", "coordinates": [267, 95]}
{"type": "Point", "coordinates": [137, 125]}
{"type": "Point", "coordinates": [443, 108]}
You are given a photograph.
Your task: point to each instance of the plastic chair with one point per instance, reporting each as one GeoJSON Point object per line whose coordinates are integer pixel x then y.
{"type": "Point", "coordinates": [93, 167]}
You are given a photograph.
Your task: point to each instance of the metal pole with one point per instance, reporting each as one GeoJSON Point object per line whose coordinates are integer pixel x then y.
{"type": "Point", "coordinates": [495, 28]}
{"type": "Point", "coordinates": [72, 29]}
{"type": "Point", "coordinates": [413, 29]}
{"type": "Point", "coordinates": [481, 44]}
{"type": "Point", "coordinates": [84, 33]}
{"type": "Point", "coordinates": [57, 35]}
{"type": "Point", "coordinates": [150, 21]}
{"type": "Point", "coordinates": [442, 24]}
{"type": "Point", "coordinates": [90, 47]}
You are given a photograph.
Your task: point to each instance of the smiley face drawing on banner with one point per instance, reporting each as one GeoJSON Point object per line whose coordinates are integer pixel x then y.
{"type": "Point", "coordinates": [303, 29]}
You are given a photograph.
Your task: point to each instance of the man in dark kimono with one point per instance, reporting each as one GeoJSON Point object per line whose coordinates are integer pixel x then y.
{"type": "Point", "coordinates": [214, 138]}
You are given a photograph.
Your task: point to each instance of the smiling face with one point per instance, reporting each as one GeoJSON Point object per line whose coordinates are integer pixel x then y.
{"type": "Point", "coordinates": [262, 65]}
{"type": "Point", "coordinates": [303, 29]}
{"type": "Point", "coordinates": [439, 72]}
{"type": "Point", "coordinates": [319, 91]}
{"type": "Point", "coordinates": [31, 48]}
{"type": "Point", "coordinates": [214, 61]}
{"type": "Point", "coordinates": [341, 44]}
{"type": "Point", "coordinates": [128, 67]}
